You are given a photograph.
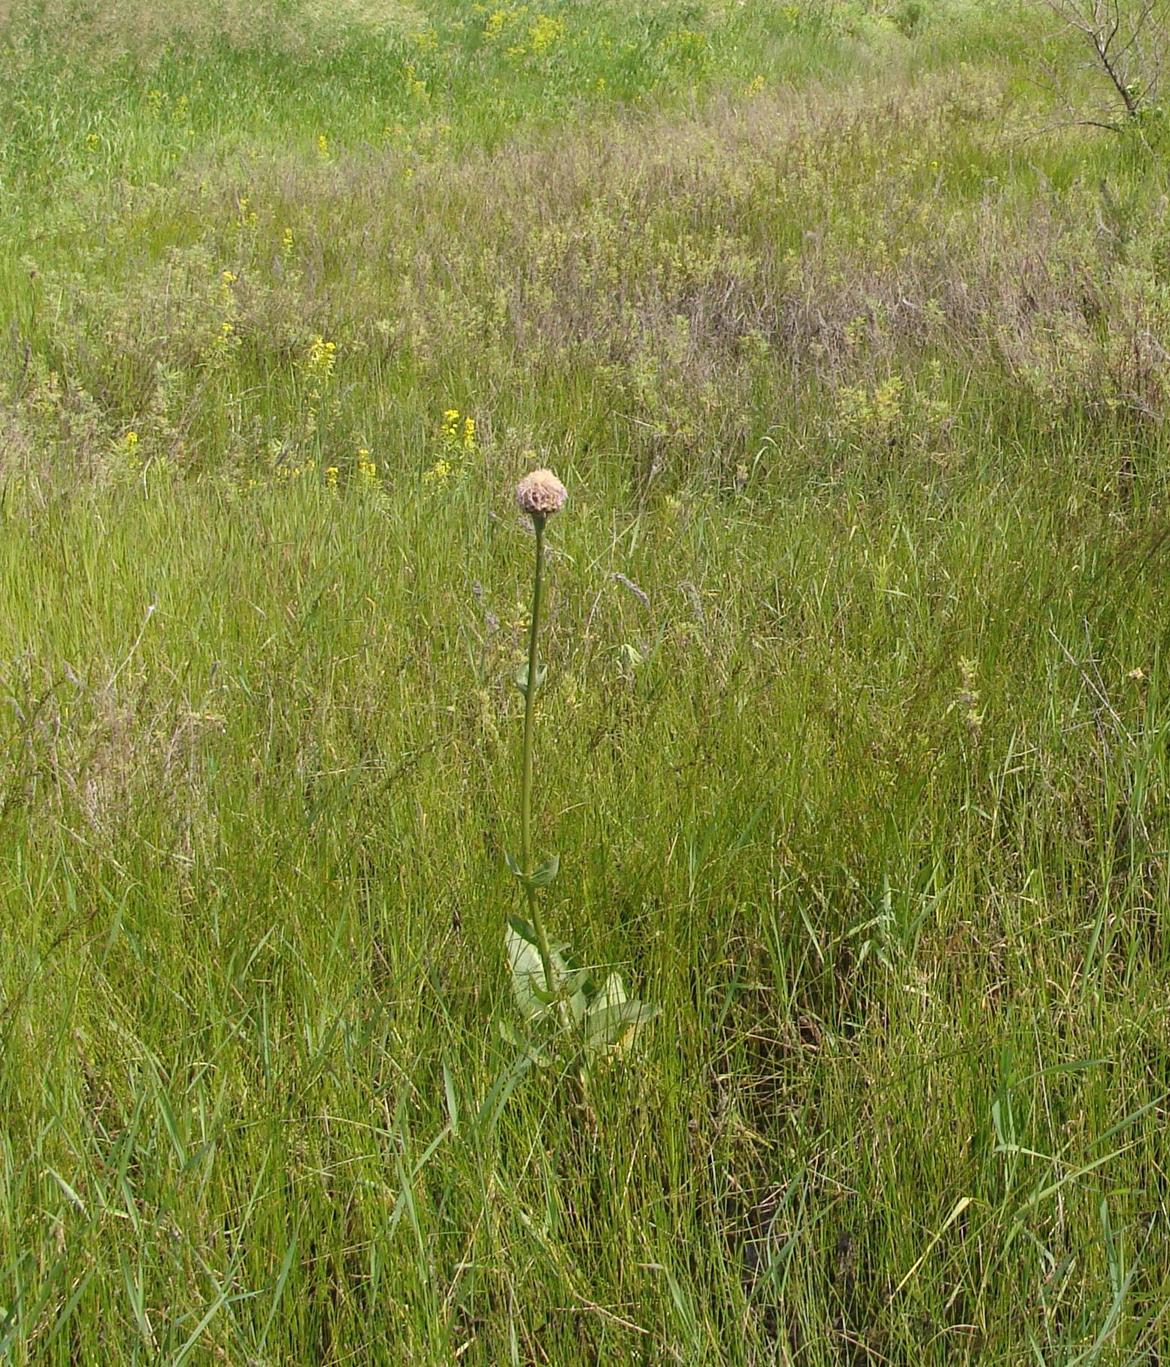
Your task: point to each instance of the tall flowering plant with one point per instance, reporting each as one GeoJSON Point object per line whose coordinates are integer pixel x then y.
{"type": "Point", "coordinates": [550, 992]}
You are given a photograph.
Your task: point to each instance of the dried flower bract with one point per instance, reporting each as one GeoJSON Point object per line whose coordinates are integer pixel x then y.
{"type": "Point", "coordinates": [540, 494]}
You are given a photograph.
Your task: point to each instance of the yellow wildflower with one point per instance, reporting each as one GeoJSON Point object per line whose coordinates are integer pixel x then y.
{"type": "Point", "coordinates": [320, 358]}
{"type": "Point", "coordinates": [366, 468]}
{"type": "Point", "coordinates": [545, 32]}
{"type": "Point", "coordinates": [439, 473]}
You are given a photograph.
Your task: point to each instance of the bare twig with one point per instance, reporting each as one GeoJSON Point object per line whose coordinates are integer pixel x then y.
{"type": "Point", "coordinates": [1127, 40]}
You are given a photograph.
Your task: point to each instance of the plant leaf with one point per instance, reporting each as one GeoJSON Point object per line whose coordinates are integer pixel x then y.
{"type": "Point", "coordinates": [521, 678]}
{"type": "Point", "coordinates": [540, 878]}
{"type": "Point", "coordinates": [580, 994]}
{"type": "Point", "coordinates": [613, 1020]}
{"type": "Point", "coordinates": [544, 875]}
{"type": "Point", "coordinates": [528, 984]}
{"type": "Point", "coordinates": [612, 993]}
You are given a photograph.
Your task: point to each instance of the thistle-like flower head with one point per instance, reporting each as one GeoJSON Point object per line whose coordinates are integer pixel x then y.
{"type": "Point", "coordinates": [540, 494]}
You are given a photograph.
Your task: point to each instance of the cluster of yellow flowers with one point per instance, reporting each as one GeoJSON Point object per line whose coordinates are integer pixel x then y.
{"type": "Point", "coordinates": [498, 19]}
{"type": "Point", "coordinates": [544, 33]}
{"type": "Point", "coordinates": [285, 472]}
{"type": "Point", "coordinates": [317, 366]}
{"type": "Point", "coordinates": [225, 340]}
{"type": "Point", "coordinates": [366, 470]}
{"type": "Point", "coordinates": [320, 359]}
{"type": "Point", "coordinates": [127, 450]}
{"type": "Point", "coordinates": [535, 36]}
{"type": "Point", "coordinates": [439, 473]}
{"type": "Point", "coordinates": [456, 433]}
{"type": "Point", "coordinates": [875, 410]}
{"type": "Point", "coordinates": [125, 462]}
{"type": "Point", "coordinates": [416, 87]}
{"type": "Point", "coordinates": [366, 474]}
{"type": "Point", "coordinates": [156, 99]}
{"type": "Point", "coordinates": [458, 441]}
{"type": "Point", "coordinates": [920, 410]}
{"type": "Point", "coordinates": [967, 701]}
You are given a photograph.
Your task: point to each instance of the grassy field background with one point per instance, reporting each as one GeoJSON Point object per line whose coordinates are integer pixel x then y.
{"type": "Point", "coordinates": [852, 350]}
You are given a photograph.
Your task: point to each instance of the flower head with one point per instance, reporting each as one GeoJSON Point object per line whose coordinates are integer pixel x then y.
{"type": "Point", "coordinates": [540, 494]}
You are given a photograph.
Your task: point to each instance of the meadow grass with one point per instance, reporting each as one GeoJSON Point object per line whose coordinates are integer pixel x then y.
{"type": "Point", "coordinates": [852, 354]}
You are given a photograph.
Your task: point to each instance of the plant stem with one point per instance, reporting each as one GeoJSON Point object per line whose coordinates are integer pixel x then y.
{"type": "Point", "coordinates": [526, 771]}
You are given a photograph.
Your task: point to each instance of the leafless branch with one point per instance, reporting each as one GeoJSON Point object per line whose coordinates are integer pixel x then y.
{"type": "Point", "coordinates": [1128, 41]}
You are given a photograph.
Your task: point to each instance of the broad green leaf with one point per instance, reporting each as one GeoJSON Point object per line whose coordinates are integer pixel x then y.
{"type": "Point", "coordinates": [540, 878]}
{"type": "Point", "coordinates": [527, 973]}
{"type": "Point", "coordinates": [613, 1020]}
{"type": "Point", "coordinates": [528, 984]}
{"type": "Point", "coordinates": [579, 991]}
{"type": "Point", "coordinates": [521, 679]}
{"type": "Point", "coordinates": [613, 992]}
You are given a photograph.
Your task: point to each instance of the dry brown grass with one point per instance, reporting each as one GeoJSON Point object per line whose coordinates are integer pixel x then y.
{"type": "Point", "coordinates": [696, 243]}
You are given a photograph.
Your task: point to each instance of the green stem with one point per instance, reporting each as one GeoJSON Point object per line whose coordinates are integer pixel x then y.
{"type": "Point", "coordinates": [526, 860]}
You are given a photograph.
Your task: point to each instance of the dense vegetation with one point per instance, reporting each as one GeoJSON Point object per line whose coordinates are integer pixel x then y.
{"type": "Point", "coordinates": [852, 348]}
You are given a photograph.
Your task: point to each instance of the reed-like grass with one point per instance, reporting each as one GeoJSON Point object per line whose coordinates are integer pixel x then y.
{"type": "Point", "coordinates": [856, 634]}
